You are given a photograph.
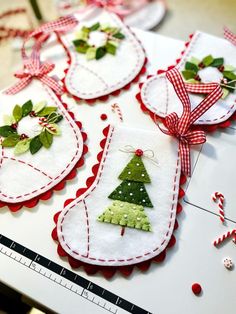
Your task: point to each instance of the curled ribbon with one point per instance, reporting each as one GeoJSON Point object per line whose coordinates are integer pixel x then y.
{"type": "Point", "coordinates": [148, 153]}
{"type": "Point", "coordinates": [181, 127]}
{"type": "Point", "coordinates": [33, 68]}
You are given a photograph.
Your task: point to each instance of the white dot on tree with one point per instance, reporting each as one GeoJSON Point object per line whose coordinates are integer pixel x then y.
{"type": "Point", "coordinates": [130, 194]}
{"type": "Point", "coordinates": [120, 192]}
{"type": "Point", "coordinates": [141, 189]}
{"type": "Point", "coordinates": [129, 172]}
{"type": "Point", "coordinates": [143, 174]}
{"type": "Point", "coordinates": [129, 184]}
{"type": "Point", "coordinates": [125, 216]}
{"type": "Point", "coordinates": [144, 201]}
{"type": "Point", "coordinates": [137, 164]}
{"type": "Point", "coordinates": [138, 218]}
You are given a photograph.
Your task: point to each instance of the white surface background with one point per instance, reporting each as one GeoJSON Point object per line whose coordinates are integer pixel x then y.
{"type": "Point", "coordinates": [165, 288]}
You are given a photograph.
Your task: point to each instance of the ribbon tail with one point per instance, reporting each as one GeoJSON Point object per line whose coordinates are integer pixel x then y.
{"type": "Point", "coordinates": [185, 158]}
{"type": "Point", "coordinates": [52, 83]}
{"type": "Point", "coordinates": [18, 86]}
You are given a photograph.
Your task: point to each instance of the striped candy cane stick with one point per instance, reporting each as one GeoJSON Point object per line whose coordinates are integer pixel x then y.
{"type": "Point", "coordinates": [219, 197]}
{"type": "Point", "coordinates": [116, 108]}
{"type": "Point", "coordinates": [43, 122]}
{"type": "Point", "coordinates": [222, 238]}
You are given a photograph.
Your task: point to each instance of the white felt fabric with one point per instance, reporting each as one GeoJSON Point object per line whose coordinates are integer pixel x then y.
{"type": "Point", "coordinates": [88, 79]}
{"type": "Point", "coordinates": [158, 94]}
{"type": "Point", "coordinates": [26, 176]}
{"type": "Point", "coordinates": [91, 241]}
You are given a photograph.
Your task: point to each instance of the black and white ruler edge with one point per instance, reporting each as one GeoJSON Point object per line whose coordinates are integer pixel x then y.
{"type": "Point", "coordinates": [86, 285]}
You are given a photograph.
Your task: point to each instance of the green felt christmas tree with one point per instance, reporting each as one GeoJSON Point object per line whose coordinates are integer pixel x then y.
{"type": "Point", "coordinates": [130, 197]}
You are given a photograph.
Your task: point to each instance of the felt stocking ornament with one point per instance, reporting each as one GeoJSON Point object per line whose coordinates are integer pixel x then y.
{"type": "Point", "coordinates": [115, 225]}
{"type": "Point", "coordinates": [41, 144]}
{"type": "Point", "coordinates": [104, 56]}
{"type": "Point", "coordinates": [206, 59]}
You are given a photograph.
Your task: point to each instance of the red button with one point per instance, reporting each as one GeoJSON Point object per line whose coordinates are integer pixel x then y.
{"type": "Point", "coordinates": [196, 288]}
{"type": "Point", "coordinates": [103, 116]}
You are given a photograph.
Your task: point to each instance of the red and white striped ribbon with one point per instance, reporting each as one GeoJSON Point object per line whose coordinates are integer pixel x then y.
{"type": "Point", "coordinates": [44, 123]}
{"type": "Point", "coordinates": [116, 108]}
{"type": "Point", "coordinates": [223, 237]}
{"type": "Point", "coordinates": [230, 36]}
{"type": "Point", "coordinates": [219, 197]}
{"type": "Point", "coordinates": [33, 68]}
{"type": "Point", "coordinates": [181, 127]}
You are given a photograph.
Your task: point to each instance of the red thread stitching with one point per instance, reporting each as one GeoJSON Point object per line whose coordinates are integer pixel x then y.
{"type": "Point", "coordinates": [63, 112]}
{"type": "Point", "coordinates": [99, 177]}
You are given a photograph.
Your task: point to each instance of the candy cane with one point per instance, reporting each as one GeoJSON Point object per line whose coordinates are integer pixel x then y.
{"type": "Point", "coordinates": [43, 122]}
{"type": "Point", "coordinates": [225, 236]}
{"type": "Point", "coordinates": [116, 108]}
{"type": "Point", "coordinates": [220, 197]}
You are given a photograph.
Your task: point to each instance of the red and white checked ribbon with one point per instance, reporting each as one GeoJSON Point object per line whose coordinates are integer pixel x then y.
{"type": "Point", "coordinates": [33, 68]}
{"type": "Point", "coordinates": [230, 36]}
{"type": "Point", "coordinates": [223, 237]}
{"type": "Point", "coordinates": [217, 196]}
{"type": "Point", "coordinates": [181, 127]}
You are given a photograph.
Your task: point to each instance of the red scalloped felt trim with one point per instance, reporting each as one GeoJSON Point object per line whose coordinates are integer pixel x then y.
{"type": "Point", "coordinates": [60, 186]}
{"type": "Point", "coordinates": [114, 93]}
{"type": "Point", "coordinates": [205, 127]}
{"type": "Point", "coordinates": [109, 271]}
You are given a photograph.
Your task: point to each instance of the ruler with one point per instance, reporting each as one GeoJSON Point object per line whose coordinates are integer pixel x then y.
{"type": "Point", "coordinates": [67, 279]}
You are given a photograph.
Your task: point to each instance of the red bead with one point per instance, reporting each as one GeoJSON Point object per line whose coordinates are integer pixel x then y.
{"type": "Point", "coordinates": [139, 152]}
{"type": "Point", "coordinates": [14, 126]}
{"type": "Point", "coordinates": [196, 288]}
{"type": "Point", "coordinates": [23, 136]}
{"type": "Point", "coordinates": [201, 65]}
{"type": "Point", "coordinates": [32, 114]}
{"type": "Point", "coordinates": [221, 68]}
{"type": "Point", "coordinates": [103, 116]}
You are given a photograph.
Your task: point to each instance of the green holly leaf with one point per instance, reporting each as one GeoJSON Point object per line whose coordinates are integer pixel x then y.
{"type": "Point", "coordinates": [192, 67]}
{"type": "Point", "coordinates": [94, 27]}
{"type": "Point", "coordinates": [27, 108]}
{"type": "Point", "coordinates": [91, 53]}
{"type": "Point", "coordinates": [6, 130]}
{"type": "Point", "coordinates": [57, 129]}
{"type": "Point", "coordinates": [54, 118]}
{"type": "Point", "coordinates": [8, 120]}
{"type": "Point", "coordinates": [207, 60]}
{"type": "Point", "coordinates": [35, 145]}
{"type": "Point", "coordinates": [17, 113]}
{"type": "Point", "coordinates": [39, 106]}
{"type": "Point", "coordinates": [187, 74]}
{"type": "Point", "coordinates": [192, 81]}
{"type": "Point", "coordinates": [81, 45]}
{"type": "Point", "coordinates": [225, 93]}
{"type": "Point", "coordinates": [11, 140]}
{"type": "Point", "coordinates": [85, 29]}
{"type": "Point", "coordinates": [82, 34]}
{"type": "Point", "coordinates": [229, 68]}
{"type": "Point", "coordinates": [46, 111]}
{"type": "Point", "coordinates": [229, 75]}
{"type": "Point", "coordinates": [100, 53]}
{"type": "Point", "coordinates": [110, 49]}
{"type": "Point", "coordinates": [118, 35]}
{"type": "Point", "coordinates": [114, 43]}
{"type": "Point", "coordinates": [195, 61]}
{"type": "Point", "coordinates": [46, 138]}
{"type": "Point", "coordinates": [22, 146]}
{"type": "Point", "coordinates": [217, 62]}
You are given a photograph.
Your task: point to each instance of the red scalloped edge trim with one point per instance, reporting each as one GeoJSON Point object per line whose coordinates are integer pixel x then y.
{"type": "Point", "coordinates": [205, 127]}
{"type": "Point", "coordinates": [60, 186]}
{"type": "Point", "coordinates": [114, 93]}
{"type": "Point", "coordinates": [109, 271]}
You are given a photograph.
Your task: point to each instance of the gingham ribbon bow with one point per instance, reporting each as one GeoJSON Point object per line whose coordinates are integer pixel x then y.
{"type": "Point", "coordinates": [33, 68]}
{"type": "Point", "coordinates": [230, 36]}
{"type": "Point", "coordinates": [181, 127]}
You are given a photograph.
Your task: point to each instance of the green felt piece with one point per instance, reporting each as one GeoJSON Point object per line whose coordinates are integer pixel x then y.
{"type": "Point", "coordinates": [94, 27]}
{"type": "Point", "coordinates": [192, 67]}
{"type": "Point", "coordinates": [113, 43]}
{"type": "Point", "coordinates": [217, 62]}
{"type": "Point", "coordinates": [35, 145]}
{"type": "Point", "coordinates": [39, 106]}
{"type": "Point", "coordinates": [207, 60]}
{"type": "Point", "coordinates": [101, 51]}
{"type": "Point", "coordinates": [46, 138]}
{"type": "Point", "coordinates": [27, 108]}
{"type": "Point", "coordinates": [111, 49]}
{"type": "Point", "coordinates": [17, 113]}
{"type": "Point", "coordinates": [135, 171]}
{"type": "Point", "coordinates": [91, 53]}
{"type": "Point", "coordinates": [6, 130]}
{"type": "Point", "coordinates": [229, 68]}
{"type": "Point", "coordinates": [22, 146]}
{"type": "Point", "coordinates": [225, 93]}
{"type": "Point", "coordinates": [8, 120]}
{"type": "Point", "coordinates": [46, 111]}
{"type": "Point", "coordinates": [192, 81]}
{"type": "Point", "coordinates": [195, 61]}
{"type": "Point", "coordinates": [126, 215]}
{"type": "Point", "coordinates": [229, 75]}
{"type": "Point", "coordinates": [11, 140]}
{"type": "Point", "coordinates": [132, 192]}
{"type": "Point", "coordinates": [82, 35]}
{"type": "Point", "coordinates": [118, 35]}
{"type": "Point", "coordinates": [187, 74]}
{"type": "Point", "coordinates": [54, 117]}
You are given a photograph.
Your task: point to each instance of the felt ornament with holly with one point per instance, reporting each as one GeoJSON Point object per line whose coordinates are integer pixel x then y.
{"type": "Point", "coordinates": [206, 59]}
{"type": "Point", "coordinates": [104, 56]}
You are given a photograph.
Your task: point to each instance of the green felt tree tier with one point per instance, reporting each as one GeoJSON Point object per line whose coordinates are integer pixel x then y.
{"type": "Point", "coordinates": [135, 171]}
{"type": "Point", "coordinates": [126, 215]}
{"type": "Point", "coordinates": [131, 192]}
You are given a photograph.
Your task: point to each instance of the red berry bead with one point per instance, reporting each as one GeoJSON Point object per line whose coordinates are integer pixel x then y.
{"type": "Point", "coordinates": [14, 126]}
{"type": "Point", "coordinates": [201, 65]}
{"type": "Point", "coordinates": [103, 116]}
{"type": "Point", "coordinates": [196, 288]}
{"type": "Point", "coordinates": [32, 114]}
{"type": "Point", "coordinates": [221, 68]}
{"type": "Point", "coordinates": [197, 78]}
{"type": "Point", "coordinates": [23, 136]}
{"type": "Point", "coordinates": [139, 152]}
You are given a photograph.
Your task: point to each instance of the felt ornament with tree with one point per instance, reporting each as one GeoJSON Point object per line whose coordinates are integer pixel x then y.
{"type": "Point", "coordinates": [130, 197]}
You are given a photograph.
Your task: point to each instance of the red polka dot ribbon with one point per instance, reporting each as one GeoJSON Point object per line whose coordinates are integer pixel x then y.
{"type": "Point", "coordinates": [181, 127]}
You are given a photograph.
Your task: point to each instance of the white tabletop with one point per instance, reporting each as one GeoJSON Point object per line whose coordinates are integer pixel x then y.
{"type": "Point", "coordinates": [164, 288]}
